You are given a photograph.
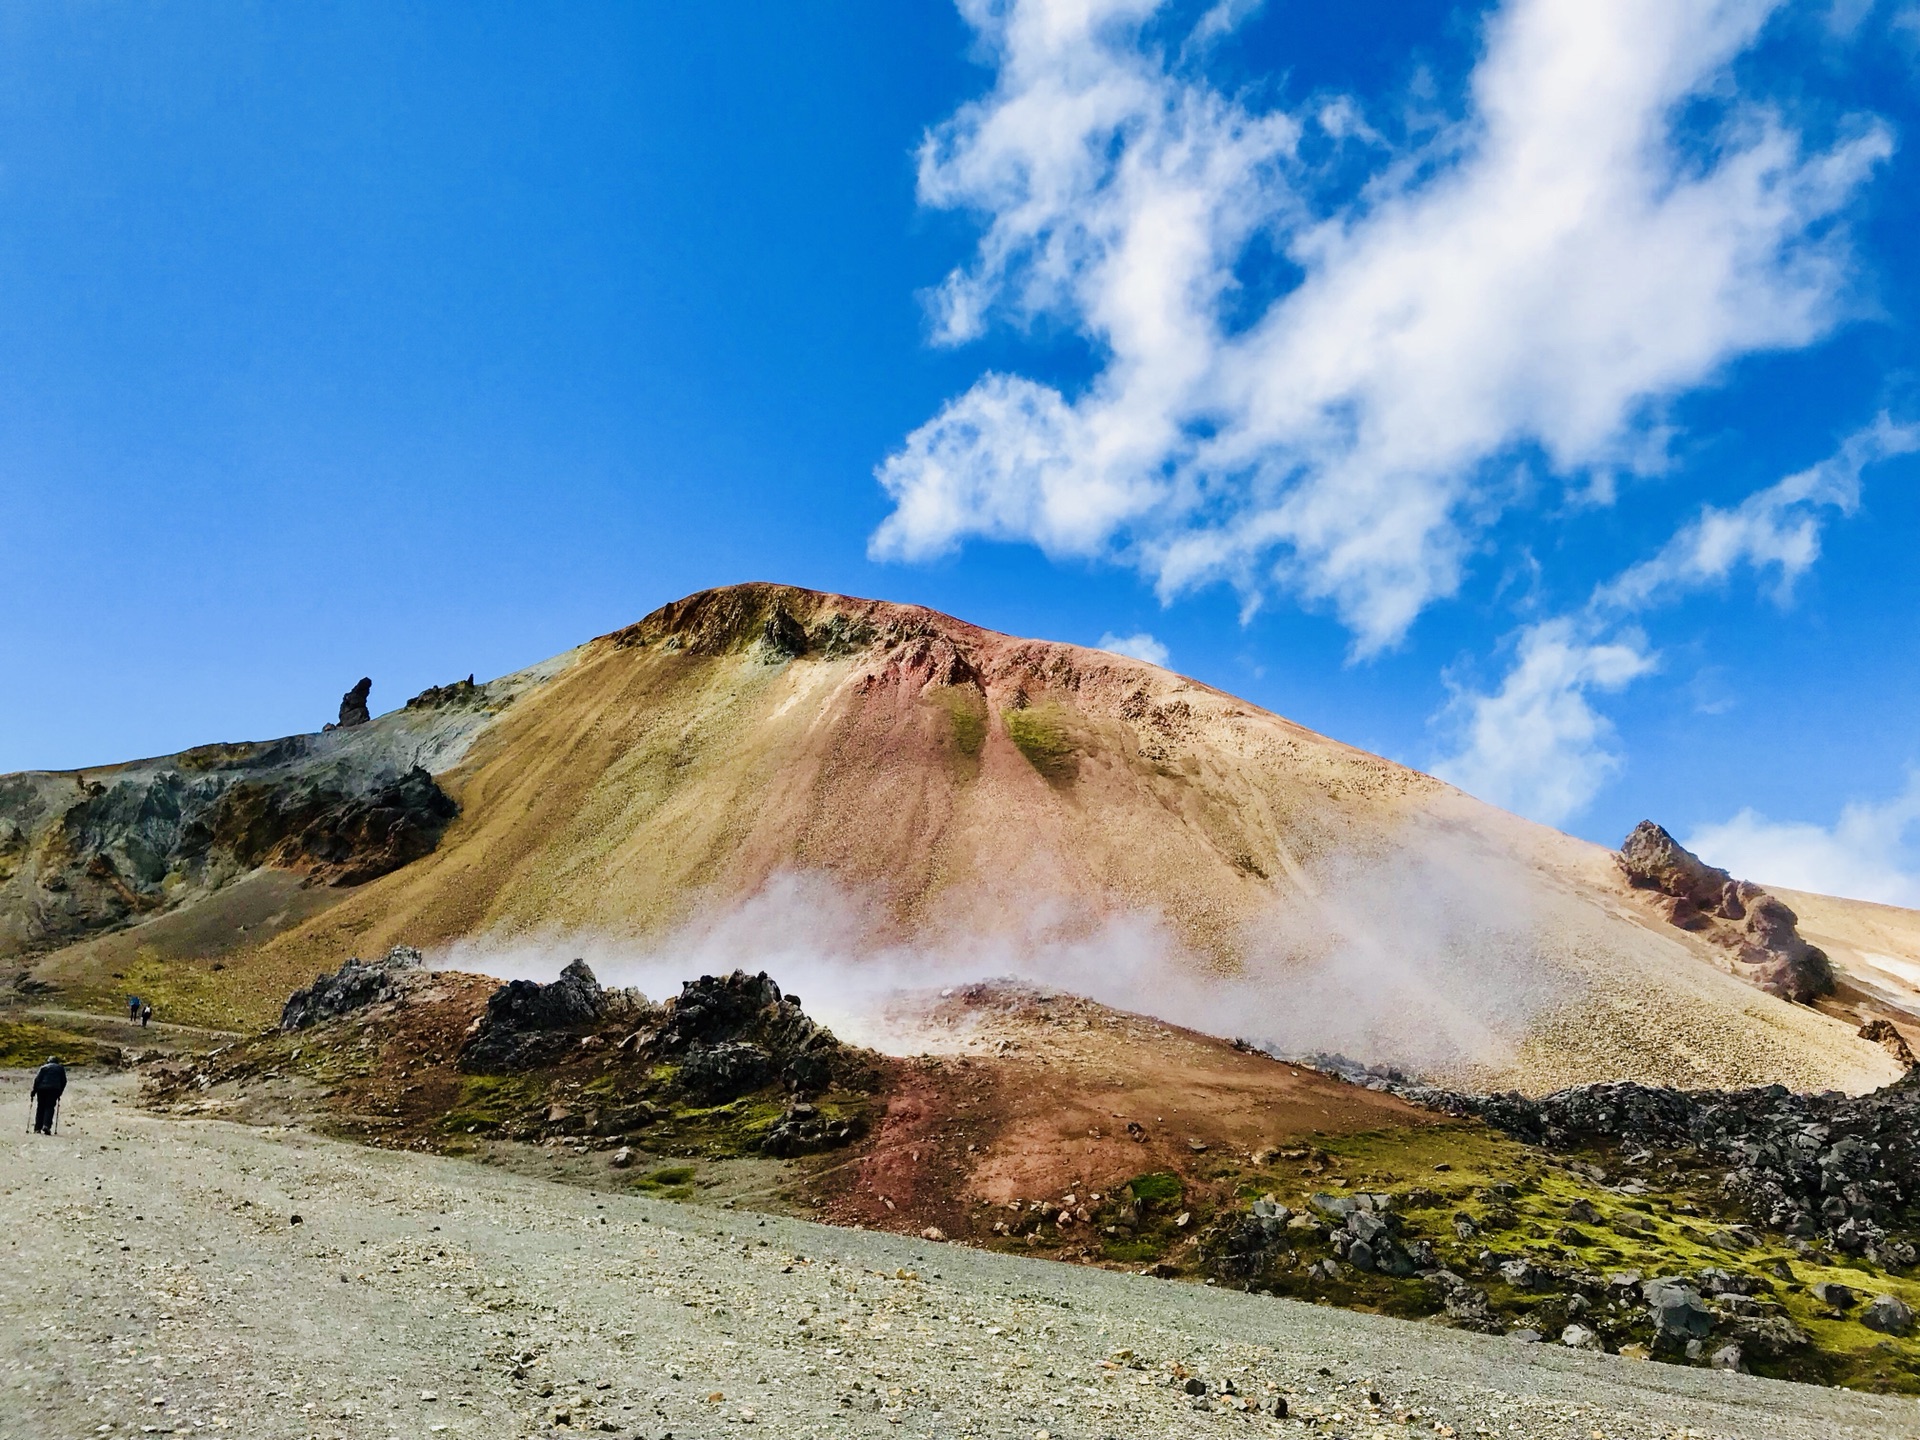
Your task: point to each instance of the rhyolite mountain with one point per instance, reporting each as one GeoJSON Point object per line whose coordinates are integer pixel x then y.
{"type": "Point", "coordinates": [960, 787]}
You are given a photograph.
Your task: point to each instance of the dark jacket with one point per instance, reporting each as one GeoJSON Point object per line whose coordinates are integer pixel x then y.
{"type": "Point", "coordinates": [51, 1081]}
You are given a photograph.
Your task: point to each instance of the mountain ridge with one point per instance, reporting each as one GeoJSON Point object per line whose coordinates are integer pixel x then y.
{"type": "Point", "coordinates": [959, 796]}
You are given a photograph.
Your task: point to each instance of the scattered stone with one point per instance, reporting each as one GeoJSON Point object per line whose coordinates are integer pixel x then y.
{"type": "Point", "coordinates": [1830, 1292]}
{"type": "Point", "coordinates": [1888, 1314]}
{"type": "Point", "coordinates": [1678, 1312]}
{"type": "Point", "coordinates": [1579, 1337]}
{"type": "Point", "coordinates": [1523, 1274]}
{"type": "Point", "coordinates": [1769, 1336]}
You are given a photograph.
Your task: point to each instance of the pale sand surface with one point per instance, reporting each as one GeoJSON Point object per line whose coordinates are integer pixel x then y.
{"type": "Point", "coordinates": [151, 1282]}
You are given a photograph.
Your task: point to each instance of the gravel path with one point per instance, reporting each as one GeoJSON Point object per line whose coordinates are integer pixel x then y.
{"type": "Point", "coordinates": [153, 1281]}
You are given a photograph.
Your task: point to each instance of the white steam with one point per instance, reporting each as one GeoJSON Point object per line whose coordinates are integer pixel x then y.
{"type": "Point", "coordinates": [1427, 958]}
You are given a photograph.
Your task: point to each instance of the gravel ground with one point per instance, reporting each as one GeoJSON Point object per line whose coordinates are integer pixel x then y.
{"type": "Point", "coordinates": [154, 1280]}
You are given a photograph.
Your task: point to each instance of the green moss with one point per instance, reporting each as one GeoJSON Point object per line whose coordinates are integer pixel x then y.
{"type": "Point", "coordinates": [1156, 1189]}
{"type": "Point", "coordinates": [670, 1182]}
{"type": "Point", "coordinates": [1043, 739]}
{"type": "Point", "coordinates": [966, 711]}
{"type": "Point", "coordinates": [183, 992]}
{"type": "Point", "coordinates": [969, 730]}
{"type": "Point", "coordinates": [487, 1102]}
{"type": "Point", "coordinates": [26, 1044]}
{"type": "Point", "coordinates": [1438, 1173]}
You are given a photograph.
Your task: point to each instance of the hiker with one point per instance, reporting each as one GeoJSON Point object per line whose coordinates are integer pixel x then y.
{"type": "Point", "coordinates": [48, 1086]}
{"type": "Point", "coordinates": [146, 1014]}
{"type": "Point", "coordinates": [133, 1007]}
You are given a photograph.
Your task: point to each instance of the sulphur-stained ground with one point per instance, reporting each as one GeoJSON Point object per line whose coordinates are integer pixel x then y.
{"type": "Point", "coordinates": [154, 1280]}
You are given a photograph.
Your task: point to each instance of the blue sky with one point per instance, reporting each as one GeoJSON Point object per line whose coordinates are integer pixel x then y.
{"type": "Point", "coordinates": [1523, 391]}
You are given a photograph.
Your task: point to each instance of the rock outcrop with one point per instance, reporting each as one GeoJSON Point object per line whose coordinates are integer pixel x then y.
{"type": "Point", "coordinates": [1756, 929]}
{"type": "Point", "coordinates": [1883, 1034]}
{"type": "Point", "coordinates": [78, 857]}
{"type": "Point", "coordinates": [354, 986]}
{"type": "Point", "coordinates": [353, 706]}
{"type": "Point", "coordinates": [336, 837]}
{"type": "Point", "coordinates": [439, 697]}
{"type": "Point", "coordinates": [730, 1034]}
{"type": "Point", "coordinates": [526, 1024]}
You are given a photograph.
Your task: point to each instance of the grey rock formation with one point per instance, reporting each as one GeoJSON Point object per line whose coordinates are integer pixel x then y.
{"type": "Point", "coordinates": [354, 986]}
{"type": "Point", "coordinates": [439, 697]}
{"type": "Point", "coordinates": [715, 1014]}
{"type": "Point", "coordinates": [1888, 1314]}
{"type": "Point", "coordinates": [78, 857]}
{"type": "Point", "coordinates": [1677, 1311]}
{"type": "Point", "coordinates": [527, 1024]}
{"type": "Point", "coordinates": [724, 1071]}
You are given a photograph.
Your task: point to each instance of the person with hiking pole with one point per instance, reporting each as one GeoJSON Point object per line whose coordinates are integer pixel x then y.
{"type": "Point", "coordinates": [48, 1086]}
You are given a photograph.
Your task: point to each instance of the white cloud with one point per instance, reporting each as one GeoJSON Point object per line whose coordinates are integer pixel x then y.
{"type": "Point", "coordinates": [1140, 646]}
{"type": "Point", "coordinates": [1537, 746]}
{"type": "Point", "coordinates": [1222, 19]}
{"type": "Point", "coordinates": [1535, 280]}
{"type": "Point", "coordinates": [1864, 854]}
{"type": "Point", "coordinates": [1777, 528]}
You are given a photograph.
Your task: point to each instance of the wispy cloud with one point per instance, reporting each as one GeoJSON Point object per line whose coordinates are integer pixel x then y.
{"type": "Point", "coordinates": [1531, 282]}
{"type": "Point", "coordinates": [1536, 745]}
{"type": "Point", "coordinates": [1776, 529]}
{"type": "Point", "coordinates": [1864, 854]}
{"type": "Point", "coordinates": [1140, 646]}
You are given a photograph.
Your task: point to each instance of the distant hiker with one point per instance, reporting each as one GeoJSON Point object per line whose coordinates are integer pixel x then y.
{"type": "Point", "coordinates": [48, 1086]}
{"type": "Point", "coordinates": [146, 1014]}
{"type": "Point", "coordinates": [133, 1007]}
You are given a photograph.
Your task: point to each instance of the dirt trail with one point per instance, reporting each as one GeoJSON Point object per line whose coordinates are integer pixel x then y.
{"type": "Point", "coordinates": [153, 1281]}
{"type": "Point", "coordinates": [119, 1027]}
